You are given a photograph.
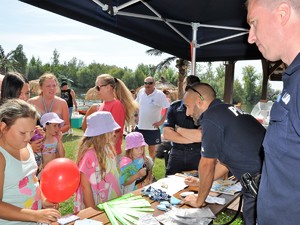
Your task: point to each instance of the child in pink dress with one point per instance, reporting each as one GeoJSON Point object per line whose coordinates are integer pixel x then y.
{"type": "Point", "coordinates": [96, 160]}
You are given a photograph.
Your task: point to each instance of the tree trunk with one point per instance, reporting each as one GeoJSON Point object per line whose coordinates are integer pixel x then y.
{"type": "Point", "coordinates": [182, 66]}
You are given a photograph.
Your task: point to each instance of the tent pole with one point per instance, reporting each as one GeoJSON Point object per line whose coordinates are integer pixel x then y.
{"type": "Point", "coordinates": [193, 48]}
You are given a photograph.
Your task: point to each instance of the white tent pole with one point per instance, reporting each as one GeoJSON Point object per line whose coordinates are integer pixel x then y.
{"type": "Point", "coordinates": [103, 6]}
{"type": "Point", "coordinates": [222, 39]}
{"type": "Point", "coordinates": [158, 17]}
{"type": "Point", "coordinates": [127, 4]}
{"type": "Point", "coordinates": [193, 48]}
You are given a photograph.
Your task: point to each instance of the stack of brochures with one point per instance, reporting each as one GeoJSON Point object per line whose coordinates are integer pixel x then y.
{"type": "Point", "coordinates": [229, 187]}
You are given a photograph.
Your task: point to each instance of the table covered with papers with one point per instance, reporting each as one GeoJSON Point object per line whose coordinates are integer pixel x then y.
{"type": "Point", "coordinates": [147, 207]}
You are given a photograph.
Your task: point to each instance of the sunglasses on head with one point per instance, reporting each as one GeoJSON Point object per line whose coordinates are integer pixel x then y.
{"type": "Point", "coordinates": [188, 87]}
{"type": "Point", "coordinates": [99, 87]}
{"type": "Point", "coordinates": [149, 83]}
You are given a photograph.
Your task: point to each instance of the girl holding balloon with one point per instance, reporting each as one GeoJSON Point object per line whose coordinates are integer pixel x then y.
{"type": "Point", "coordinates": [96, 160]}
{"type": "Point", "coordinates": [20, 195]}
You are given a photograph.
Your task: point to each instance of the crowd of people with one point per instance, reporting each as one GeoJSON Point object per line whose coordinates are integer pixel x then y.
{"type": "Point", "coordinates": [31, 137]}
{"type": "Point", "coordinates": [204, 133]}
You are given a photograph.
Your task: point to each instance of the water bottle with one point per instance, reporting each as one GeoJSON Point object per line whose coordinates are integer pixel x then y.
{"type": "Point", "coordinates": [36, 135]}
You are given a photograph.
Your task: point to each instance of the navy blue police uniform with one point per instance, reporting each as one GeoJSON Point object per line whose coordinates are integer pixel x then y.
{"type": "Point", "coordinates": [183, 157]}
{"type": "Point", "coordinates": [278, 196]}
{"type": "Point", "coordinates": [235, 139]}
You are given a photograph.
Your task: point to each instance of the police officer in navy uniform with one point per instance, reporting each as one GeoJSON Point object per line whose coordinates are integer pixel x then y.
{"type": "Point", "coordinates": [229, 136]}
{"type": "Point", "coordinates": [184, 135]}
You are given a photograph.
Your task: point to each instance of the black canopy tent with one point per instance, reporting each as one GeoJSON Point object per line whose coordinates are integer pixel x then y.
{"type": "Point", "coordinates": [217, 28]}
{"type": "Point", "coordinates": [195, 30]}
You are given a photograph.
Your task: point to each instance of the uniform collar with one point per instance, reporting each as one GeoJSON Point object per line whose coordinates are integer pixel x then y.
{"type": "Point", "coordinates": [211, 105]}
{"type": "Point", "coordinates": [214, 102]}
{"type": "Point", "coordinates": [295, 65]}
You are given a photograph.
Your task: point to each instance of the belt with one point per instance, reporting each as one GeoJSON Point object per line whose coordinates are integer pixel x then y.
{"type": "Point", "coordinates": [186, 148]}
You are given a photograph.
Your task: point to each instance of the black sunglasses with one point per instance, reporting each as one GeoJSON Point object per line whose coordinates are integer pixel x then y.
{"type": "Point", "coordinates": [99, 87]}
{"type": "Point", "coordinates": [150, 83]}
{"type": "Point", "coordinates": [188, 87]}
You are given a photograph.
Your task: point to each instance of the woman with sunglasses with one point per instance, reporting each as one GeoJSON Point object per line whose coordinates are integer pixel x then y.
{"type": "Point", "coordinates": [117, 99]}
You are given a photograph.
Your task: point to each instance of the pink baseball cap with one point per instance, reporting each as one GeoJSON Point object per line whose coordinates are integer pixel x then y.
{"type": "Point", "coordinates": [134, 139]}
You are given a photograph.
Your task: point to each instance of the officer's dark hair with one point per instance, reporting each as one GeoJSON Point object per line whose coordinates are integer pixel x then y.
{"type": "Point", "coordinates": [203, 89]}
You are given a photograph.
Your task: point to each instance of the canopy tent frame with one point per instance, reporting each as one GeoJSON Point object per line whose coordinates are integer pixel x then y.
{"type": "Point", "coordinates": [199, 40]}
{"type": "Point", "coordinates": [116, 10]}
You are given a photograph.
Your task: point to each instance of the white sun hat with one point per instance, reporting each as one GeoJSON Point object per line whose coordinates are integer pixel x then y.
{"type": "Point", "coordinates": [100, 123]}
{"type": "Point", "coordinates": [51, 117]}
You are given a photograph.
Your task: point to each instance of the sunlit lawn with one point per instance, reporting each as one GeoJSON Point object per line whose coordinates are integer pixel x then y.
{"type": "Point", "coordinates": [71, 143]}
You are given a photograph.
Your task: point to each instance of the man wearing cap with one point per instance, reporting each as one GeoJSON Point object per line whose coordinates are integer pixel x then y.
{"type": "Point", "coordinates": [151, 102]}
{"type": "Point", "coordinates": [184, 135]}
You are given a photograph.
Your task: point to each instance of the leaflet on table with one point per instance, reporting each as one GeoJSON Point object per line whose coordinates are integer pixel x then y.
{"type": "Point", "coordinates": [226, 186]}
{"type": "Point", "coordinates": [87, 222]}
{"type": "Point", "coordinates": [171, 184]}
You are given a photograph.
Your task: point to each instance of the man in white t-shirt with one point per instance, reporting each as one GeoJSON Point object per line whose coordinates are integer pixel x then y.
{"type": "Point", "coordinates": [151, 102]}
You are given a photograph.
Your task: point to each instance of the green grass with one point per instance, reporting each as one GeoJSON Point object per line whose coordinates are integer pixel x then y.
{"type": "Point", "coordinates": [71, 143]}
{"type": "Point", "coordinates": [226, 216]}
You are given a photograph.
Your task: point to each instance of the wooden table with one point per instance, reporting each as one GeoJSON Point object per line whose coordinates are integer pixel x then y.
{"type": "Point", "coordinates": [96, 214]}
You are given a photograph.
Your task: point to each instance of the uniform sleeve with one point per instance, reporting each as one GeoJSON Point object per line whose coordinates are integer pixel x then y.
{"type": "Point", "coordinates": [171, 118]}
{"type": "Point", "coordinates": [212, 139]}
{"type": "Point", "coordinates": [296, 121]}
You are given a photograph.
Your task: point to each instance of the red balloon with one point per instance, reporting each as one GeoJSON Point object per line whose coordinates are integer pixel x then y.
{"type": "Point", "coordinates": [59, 180]}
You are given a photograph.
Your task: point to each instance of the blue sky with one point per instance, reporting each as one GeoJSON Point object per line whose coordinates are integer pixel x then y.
{"type": "Point", "coordinates": [40, 32]}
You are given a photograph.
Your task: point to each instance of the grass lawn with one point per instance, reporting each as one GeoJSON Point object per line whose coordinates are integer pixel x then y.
{"type": "Point", "coordinates": [71, 143]}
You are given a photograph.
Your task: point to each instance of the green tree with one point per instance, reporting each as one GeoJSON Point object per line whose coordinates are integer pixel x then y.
{"type": "Point", "coordinates": [6, 61]}
{"type": "Point", "coordinates": [86, 76]}
{"type": "Point", "coordinates": [142, 71]}
{"type": "Point", "coordinates": [250, 79]}
{"type": "Point", "coordinates": [219, 82]}
{"type": "Point", "coordinates": [207, 75]}
{"type": "Point", "coordinates": [19, 60]}
{"type": "Point", "coordinates": [181, 64]}
{"type": "Point", "coordinates": [118, 72]}
{"type": "Point", "coordinates": [34, 68]}
{"type": "Point", "coordinates": [68, 71]}
{"type": "Point", "coordinates": [170, 75]}
{"type": "Point", "coordinates": [238, 92]}
{"type": "Point", "coordinates": [130, 80]}
{"type": "Point", "coordinates": [55, 59]}
{"type": "Point", "coordinates": [146, 70]}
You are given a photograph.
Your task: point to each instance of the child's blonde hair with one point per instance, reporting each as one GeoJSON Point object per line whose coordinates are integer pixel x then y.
{"type": "Point", "coordinates": [99, 143]}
